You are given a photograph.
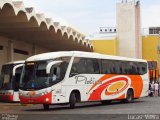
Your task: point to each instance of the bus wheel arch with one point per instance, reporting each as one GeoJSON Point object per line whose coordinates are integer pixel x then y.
{"type": "Point", "coordinates": [129, 95]}
{"type": "Point", "coordinates": [46, 106]}
{"type": "Point", "coordinates": [75, 97]}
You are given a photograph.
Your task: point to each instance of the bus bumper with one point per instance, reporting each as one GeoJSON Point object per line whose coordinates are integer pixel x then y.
{"type": "Point", "coordinates": [32, 99]}
{"type": "Point", "coordinates": [6, 98]}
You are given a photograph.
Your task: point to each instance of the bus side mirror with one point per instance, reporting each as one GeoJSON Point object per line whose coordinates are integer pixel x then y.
{"type": "Point", "coordinates": [15, 68]}
{"type": "Point", "coordinates": [49, 66]}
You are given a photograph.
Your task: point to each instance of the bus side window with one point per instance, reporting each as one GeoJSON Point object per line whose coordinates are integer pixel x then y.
{"type": "Point", "coordinates": [123, 67]}
{"type": "Point", "coordinates": [89, 66]}
{"type": "Point", "coordinates": [133, 68]}
{"type": "Point", "coordinates": [105, 67]}
{"type": "Point", "coordinates": [108, 67]}
{"type": "Point", "coordinates": [96, 66]}
{"type": "Point", "coordinates": [117, 67]}
{"type": "Point", "coordinates": [84, 66]}
{"type": "Point", "coordinates": [92, 66]}
{"type": "Point", "coordinates": [78, 66]}
{"type": "Point", "coordinates": [143, 69]}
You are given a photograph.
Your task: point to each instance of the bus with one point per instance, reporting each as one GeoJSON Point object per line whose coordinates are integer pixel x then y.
{"type": "Point", "coordinates": [74, 76]}
{"type": "Point", "coordinates": [153, 71]}
{"type": "Point", "coordinates": [10, 79]}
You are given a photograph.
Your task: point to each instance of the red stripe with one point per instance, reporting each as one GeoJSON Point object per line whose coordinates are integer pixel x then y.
{"type": "Point", "coordinates": [37, 100]}
{"type": "Point", "coordinates": [96, 94]}
{"type": "Point", "coordinates": [6, 98]}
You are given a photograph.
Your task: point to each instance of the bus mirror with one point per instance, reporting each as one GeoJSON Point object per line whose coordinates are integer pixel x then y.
{"type": "Point", "coordinates": [15, 68]}
{"type": "Point", "coordinates": [49, 66]}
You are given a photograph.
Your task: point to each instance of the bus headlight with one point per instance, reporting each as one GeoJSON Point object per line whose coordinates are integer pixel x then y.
{"type": "Point", "coordinates": [42, 94]}
{"type": "Point", "coordinates": [47, 99]}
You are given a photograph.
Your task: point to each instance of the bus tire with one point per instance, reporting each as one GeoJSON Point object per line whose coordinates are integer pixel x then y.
{"type": "Point", "coordinates": [46, 106]}
{"type": "Point", "coordinates": [129, 96]}
{"type": "Point", "coordinates": [106, 102]}
{"type": "Point", "coordinates": [72, 100]}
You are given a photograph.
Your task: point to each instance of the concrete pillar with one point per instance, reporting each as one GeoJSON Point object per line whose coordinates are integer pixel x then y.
{"type": "Point", "coordinates": [33, 49]}
{"type": "Point", "coordinates": [10, 51]}
{"type": "Point", "coordinates": [128, 25]}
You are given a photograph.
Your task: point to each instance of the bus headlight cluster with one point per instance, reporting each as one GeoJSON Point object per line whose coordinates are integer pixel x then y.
{"type": "Point", "coordinates": [44, 93]}
{"type": "Point", "coordinates": [47, 99]}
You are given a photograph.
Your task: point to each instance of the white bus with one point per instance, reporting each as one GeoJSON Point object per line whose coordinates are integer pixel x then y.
{"type": "Point", "coordinates": [9, 82]}
{"type": "Point", "coordinates": [71, 77]}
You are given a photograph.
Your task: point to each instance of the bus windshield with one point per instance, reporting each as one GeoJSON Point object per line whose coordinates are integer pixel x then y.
{"type": "Point", "coordinates": [6, 77]}
{"type": "Point", "coordinates": [35, 77]}
{"type": "Point", "coordinates": [8, 81]}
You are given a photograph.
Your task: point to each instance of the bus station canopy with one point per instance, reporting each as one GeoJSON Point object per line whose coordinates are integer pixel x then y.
{"type": "Point", "coordinates": [24, 24]}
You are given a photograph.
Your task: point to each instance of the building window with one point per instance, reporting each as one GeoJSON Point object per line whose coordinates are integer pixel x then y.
{"type": "Point", "coordinates": [154, 30]}
{"type": "Point", "coordinates": [21, 52]}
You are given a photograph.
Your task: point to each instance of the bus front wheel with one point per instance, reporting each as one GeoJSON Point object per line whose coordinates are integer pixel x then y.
{"type": "Point", "coordinates": [46, 106]}
{"type": "Point", "coordinates": [72, 100]}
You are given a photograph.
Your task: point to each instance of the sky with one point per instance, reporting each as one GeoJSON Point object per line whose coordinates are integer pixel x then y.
{"type": "Point", "coordinates": [87, 16]}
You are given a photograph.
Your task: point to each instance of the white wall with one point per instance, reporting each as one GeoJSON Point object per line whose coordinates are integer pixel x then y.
{"type": "Point", "coordinates": [126, 33]}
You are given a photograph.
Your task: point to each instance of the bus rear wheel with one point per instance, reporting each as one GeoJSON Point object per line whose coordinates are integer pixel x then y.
{"type": "Point", "coordinates": [72, 100]}
{"type": "Point", "coordinates": [46, 106]}
{"type": "Point", "coordinates": [129, 96]}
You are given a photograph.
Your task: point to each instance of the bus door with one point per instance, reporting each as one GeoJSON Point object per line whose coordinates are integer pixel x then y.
{"type": "Point", "coordinates": [57, 71]}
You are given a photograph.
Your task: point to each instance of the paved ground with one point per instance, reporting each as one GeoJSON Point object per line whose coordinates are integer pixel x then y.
{"type": "Point", "coordinates": [148, 105]}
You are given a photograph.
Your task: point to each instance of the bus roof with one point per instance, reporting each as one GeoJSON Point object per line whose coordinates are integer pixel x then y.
{"type": "Point", "coordinates": [53, 55]}
{"type": "Point", "coordinates": [15, 62]}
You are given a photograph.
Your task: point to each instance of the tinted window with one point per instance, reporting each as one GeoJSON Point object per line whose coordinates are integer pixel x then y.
{"type": "Point", "coordinates": [92, 66]}
{"type": "Point", "coordinates": [84, 66]}
{"type": "Point", "coordinates": [108, 67]}
{"type": "Point", "coordinates": [123, 67]}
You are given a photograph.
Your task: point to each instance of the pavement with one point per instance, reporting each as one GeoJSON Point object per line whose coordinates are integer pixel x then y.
{"type": "Point", "coordinates": [149, 106]}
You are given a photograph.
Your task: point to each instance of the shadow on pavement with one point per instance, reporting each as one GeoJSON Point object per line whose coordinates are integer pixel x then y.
{"type": "Point", "coordinates": [81, 105]}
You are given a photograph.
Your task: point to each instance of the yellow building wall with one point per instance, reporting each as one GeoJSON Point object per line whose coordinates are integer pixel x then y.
{"type": "Point", "coordinates": [149, 47]}
{"type": "Point", "coordinates": [108, 47]}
